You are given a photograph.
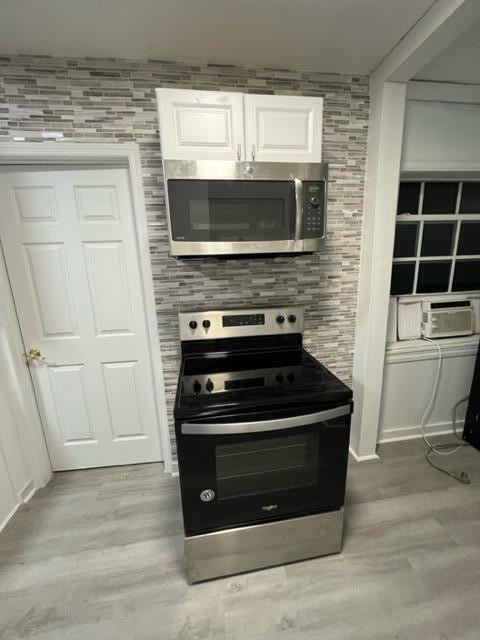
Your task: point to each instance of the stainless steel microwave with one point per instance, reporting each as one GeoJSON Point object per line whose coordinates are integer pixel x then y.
{"type": "Point", "coordinates": [218, 207]}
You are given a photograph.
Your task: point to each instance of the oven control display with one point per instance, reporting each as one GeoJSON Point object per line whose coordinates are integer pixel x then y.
{"type": "Point", "coordinates": [243, 321]}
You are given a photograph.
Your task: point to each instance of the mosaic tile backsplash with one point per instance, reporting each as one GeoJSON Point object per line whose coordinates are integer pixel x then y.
{"type": "Point", "coordinates": [95, 100]}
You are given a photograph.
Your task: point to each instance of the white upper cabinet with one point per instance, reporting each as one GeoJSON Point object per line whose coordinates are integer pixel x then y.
{"type": "Point", "coordinates": [209, 125]}
{"type": "Point", "coordinates": [283, 128]}
{"type": "Point", "coordinates": [201, 125]}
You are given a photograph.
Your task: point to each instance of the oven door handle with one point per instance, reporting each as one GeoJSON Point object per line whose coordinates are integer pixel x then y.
{"type": "Point", "coordinates": [298, 208]}
{"type": "Point", "coordinates": [227, 428]}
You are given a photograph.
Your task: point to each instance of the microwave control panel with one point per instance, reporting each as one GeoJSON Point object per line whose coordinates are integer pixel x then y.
{"type": "Point", "coordinates": [314, 208]}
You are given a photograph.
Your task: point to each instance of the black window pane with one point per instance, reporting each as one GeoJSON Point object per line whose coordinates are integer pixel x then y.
{"type": "Point", "coordinates": [437, 238]}
{"type": "Point", "coordinates": [408, 197]}
{"type": "Point", "coordinates": [467, 275]}
{"type": "Point", "coordinates": [469, 239]}
{"type": "Point", "coordinates": [470, 201]}
{"type": "Point", "coordinates": [405, 240]}
{"type": "Point", "coordinates": [402, 278]}
{"type": "Point", "coordinates": [440, 197]}
{"type": "Point", "coordinates": [433, 277]}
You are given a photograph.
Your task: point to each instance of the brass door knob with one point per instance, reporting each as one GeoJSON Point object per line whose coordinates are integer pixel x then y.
{"type": "Point", "coordinates": [34, 354]}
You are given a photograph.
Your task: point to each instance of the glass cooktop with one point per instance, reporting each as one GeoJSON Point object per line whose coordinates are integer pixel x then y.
{"type": "Point", "coordinates": [235, 382]}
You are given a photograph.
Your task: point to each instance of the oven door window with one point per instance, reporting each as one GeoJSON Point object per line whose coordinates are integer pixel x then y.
{"type": "Point", "coordinates": [231, 210]}
{"type": "Point", "coordinates": [266, 466]}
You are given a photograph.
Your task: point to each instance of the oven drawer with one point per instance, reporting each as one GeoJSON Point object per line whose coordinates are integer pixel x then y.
{"type": "Point", "coordinates": [241, 470]}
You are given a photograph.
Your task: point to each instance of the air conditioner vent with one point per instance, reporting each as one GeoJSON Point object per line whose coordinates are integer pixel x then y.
{"type": "Point", "coordinates": [448, 321]}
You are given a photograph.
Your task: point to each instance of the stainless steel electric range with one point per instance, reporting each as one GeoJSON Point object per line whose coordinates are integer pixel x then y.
{"type": "Point", "coordinates": [262, 433]}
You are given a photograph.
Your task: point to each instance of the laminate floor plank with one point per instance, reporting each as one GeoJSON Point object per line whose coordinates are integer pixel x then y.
{"type": "Point", "coordinates": [99, 554]}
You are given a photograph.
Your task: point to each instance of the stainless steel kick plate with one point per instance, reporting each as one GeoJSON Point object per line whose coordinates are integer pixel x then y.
{"type": "Point", "coordinates": [223, 553]}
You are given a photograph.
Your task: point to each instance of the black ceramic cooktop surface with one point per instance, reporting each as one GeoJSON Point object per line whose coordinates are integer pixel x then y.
{"type": "Point", "coordinates": [225, 383]}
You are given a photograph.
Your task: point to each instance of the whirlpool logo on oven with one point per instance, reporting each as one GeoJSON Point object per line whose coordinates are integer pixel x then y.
{"type": "Point", "coordinates": [269, 507]}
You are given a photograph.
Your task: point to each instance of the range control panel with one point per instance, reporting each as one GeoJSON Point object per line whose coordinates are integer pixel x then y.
{"type": "Point", "coordinates": [238, 323]}
{"type": "Point", "coordinates": [314, 207]}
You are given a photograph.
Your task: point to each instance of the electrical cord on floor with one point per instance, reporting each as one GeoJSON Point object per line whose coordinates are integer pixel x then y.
{"type": "Point", "coordinates": [447, 448]}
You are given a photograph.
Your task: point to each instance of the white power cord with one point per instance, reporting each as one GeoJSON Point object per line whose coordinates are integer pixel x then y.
{"type": "Point", "coordinates": [444, 449]}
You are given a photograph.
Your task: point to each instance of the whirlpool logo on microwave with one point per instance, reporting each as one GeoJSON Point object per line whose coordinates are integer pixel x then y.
{"type": "Point", "coordinates": [269, 507]}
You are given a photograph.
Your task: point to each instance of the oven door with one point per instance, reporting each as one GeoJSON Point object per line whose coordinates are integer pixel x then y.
{"type": "Point", "coordinates": [254, 468]}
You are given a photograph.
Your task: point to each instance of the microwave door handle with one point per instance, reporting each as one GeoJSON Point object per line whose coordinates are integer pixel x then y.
{"type": "Point", "coordinates": [230, 428]}
{"type": "Point", "coordinates": [298, 208]}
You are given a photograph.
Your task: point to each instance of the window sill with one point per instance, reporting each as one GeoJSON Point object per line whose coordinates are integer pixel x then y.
{"type": "Point", "coordinates": [413, 350]}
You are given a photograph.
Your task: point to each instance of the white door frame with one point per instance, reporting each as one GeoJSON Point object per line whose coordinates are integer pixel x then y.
{"type": "Point", "coordinates": [123, 154]}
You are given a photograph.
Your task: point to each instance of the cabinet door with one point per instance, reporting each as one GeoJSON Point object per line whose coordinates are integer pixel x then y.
{"type": "Point", "coordinates": [201, 125]}
{"type": "Point", "coordinates": [283, 128]}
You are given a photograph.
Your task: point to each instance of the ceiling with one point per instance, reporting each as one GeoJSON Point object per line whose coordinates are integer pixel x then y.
{"type": "Point", "coordinates": [343, 36]}
{"type": "Point", "coordinates": [459, 62]}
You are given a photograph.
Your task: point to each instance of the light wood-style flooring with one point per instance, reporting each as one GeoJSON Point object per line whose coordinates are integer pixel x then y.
{"type": "Point", "coordinates": [97, 555]}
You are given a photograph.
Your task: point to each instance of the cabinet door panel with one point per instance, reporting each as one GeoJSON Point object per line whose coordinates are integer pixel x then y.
{"type": "Point", "coordinates": [283, 128]}
{"type": "Point", "coordinates": [201, 125]}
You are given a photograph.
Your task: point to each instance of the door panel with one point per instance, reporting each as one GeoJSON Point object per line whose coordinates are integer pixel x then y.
{"type": "Point", "coordinates": [96, 203]}
{"type": "Point", "coordinates": [121, 386]}
{"type": "Point", "coordinates": [201, 124]}
{"type": "Point", "coordinates": [71, 402]}
{"type": "Point", "coordinates": [69, 242]}
{"type": "Point", "coordinates": [108, 285]}
{"type": "Point", "coordinates": [47, 270]}
{"type": "Point", "coordinates": [36, 204]}
{"type": "Point", "coordinates": [283, 128]}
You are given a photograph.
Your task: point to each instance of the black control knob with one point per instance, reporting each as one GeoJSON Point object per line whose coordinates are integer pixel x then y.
{"type": "Point", "coordinates": [206, 324]}
{"type": "Point", "coordinates": [279, 378]}
{"type": "Point", "coordinates": [209, 386]}
{"type": "Point", "coordinates": [280, 319]}
{"type": "Point", "coordinates": [292, 318]}
{"type": "Point", "coordinates": [197, 387]}
{"type": "Point", "coordinates": [193, 324]}
{"type": "Point", "coordinates": [315, 202]}
{"type": "Point", "coordinates": [291, 377]}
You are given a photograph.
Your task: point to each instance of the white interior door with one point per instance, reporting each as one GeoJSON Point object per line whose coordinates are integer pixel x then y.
{"type": "Point", "coordinates": [201, 125]}
{"type": "Point", "coordinates": [283, 128]}
{"type": "Point", "coordinates": [68, 237]}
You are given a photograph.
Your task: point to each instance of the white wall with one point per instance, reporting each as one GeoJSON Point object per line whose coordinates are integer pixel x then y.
{"type": "Point", "coordinates": [383, 169]}
{"type": "Point", "coordinates": [441, 135]}
{"type": "Point", "coordinates": [24, 463]}
{"type": "Point", "coordinates": [15, 481]}
{"type": "Point", "coordinates": [407, 387]}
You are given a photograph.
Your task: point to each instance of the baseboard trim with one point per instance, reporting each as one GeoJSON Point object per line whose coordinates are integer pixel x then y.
{"type": "Point", "coordinates": [23, 496]}
{"type": "Point", "coordinates": [412, 432]}
{"type": "Point", "coordinates": [9, 517]}
{"type": "Point", "coordinates": [26, 493]}
{"type": "Point", "coordinates": [358, 458]}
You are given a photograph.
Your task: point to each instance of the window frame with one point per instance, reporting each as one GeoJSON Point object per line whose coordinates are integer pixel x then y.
{"type": "Point", "coordinates": [420, 218]}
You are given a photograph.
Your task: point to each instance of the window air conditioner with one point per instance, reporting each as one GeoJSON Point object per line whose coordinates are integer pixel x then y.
{"type": "Point", "coordinates": [446, 319]}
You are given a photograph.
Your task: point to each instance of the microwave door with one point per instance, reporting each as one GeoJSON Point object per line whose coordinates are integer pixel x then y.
{"type": "Point", "coordinates": [234, 212]}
